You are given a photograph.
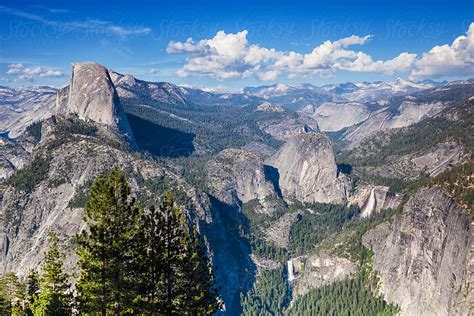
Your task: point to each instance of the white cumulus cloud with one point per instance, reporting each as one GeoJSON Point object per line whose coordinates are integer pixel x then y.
{"type": "Point", "coordinates": [448, 60]}
{"type": "Point", "coordinates": [227, 56]}
{"type": "Point", "coordinates": [230, 55]}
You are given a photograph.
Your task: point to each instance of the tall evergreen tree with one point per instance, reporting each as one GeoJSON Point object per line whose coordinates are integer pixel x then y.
{"type": "Point", "coordinates": [105, 248]}
{"type": "Point", "coordinates": [175, 236]}
{"type": "Point", "coordinates": [199, 283]}
{"type": "Point", "coordinates": [148, 263]}
{"type": "Point", "coordinates": [12, 291]}
{"type": "Point", "coordinates": [55, 296]}
{"type": "Point", "coordinates": [176, 270]}
{"type": "Point", "coordinates": [32, 290]}
{"type": "Point", "coordinates": [137, 262]}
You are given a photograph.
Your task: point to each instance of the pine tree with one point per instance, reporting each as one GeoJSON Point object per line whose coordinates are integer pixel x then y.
{"type": "Point", "coordinates": [199, 283]}
{"type": "Point", "coordinates": [55, 297]}
{"type": "Point", "coordinates": [189, 287]}
{"type": "Point", "coordinates": [12, 291]}
{"type": "Point", "coordinates": [175, 236]}
{"type": "Point", "coordinates": [32, 290]}
{"type": "Point", "coordinates": [148, 263]}
{"type": "Point", "coordinates": [104, 250]}
{"type": "Point", "coordinates": [137, 262]}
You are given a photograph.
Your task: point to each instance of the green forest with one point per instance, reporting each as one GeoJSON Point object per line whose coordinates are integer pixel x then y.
{"type": "Point", "coordinates": [347, 297]}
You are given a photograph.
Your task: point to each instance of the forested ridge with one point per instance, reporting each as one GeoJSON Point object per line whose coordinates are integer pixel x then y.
{"type": "Point", "coordinates": [453, 124]}
{"type": "Point", "coordinates": [211, 127]}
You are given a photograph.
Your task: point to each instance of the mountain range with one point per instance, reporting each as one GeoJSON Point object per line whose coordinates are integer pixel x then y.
{"type": "Point", "coordinates": [295, 188]}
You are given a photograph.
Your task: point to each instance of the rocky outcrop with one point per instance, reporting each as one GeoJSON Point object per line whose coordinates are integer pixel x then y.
{"type": "Point", "coordinates": [12, 157]}
{"type": "Point", "coordinates": [92, 97]}
{"type": "Point", "coordinates": [318, 270]}
{"type": "Point", "coordinates": [424, 258]}
{"type": "Point", "coordinates": [279, 232]}
{"type": "Point", "coordinates": [288, 126]}
{"type": "Point", "coordinates": [373, 199]}
{"type": "Point", "coordinates": [308, 171]}
{"type": "Point", "coordinates": [238, 175]}
{"type": "Point", "coordinates": [21, 107]}
{"type": "Point", "coordinates": [333, 116]}
{"type": "Point", "coordinates": [441, 158]}
{"type": "Point", "coordinates": [432, 161]}
{"type": "Point", "coordinates": [407, 113]}
{"type": "Point", "coordinates": [268, 107]}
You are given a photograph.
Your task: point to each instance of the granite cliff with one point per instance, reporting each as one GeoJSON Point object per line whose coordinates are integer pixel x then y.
{"type": "Point", "coordinates": [424, 257]}
{"type": "Point", "coordinates": [91, 96]}
{"type": "Point", "coordinates": [307, 169]}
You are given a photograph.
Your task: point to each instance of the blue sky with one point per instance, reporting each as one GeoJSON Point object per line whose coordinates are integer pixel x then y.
{"type": "Point", "coordinates": [259, 43]}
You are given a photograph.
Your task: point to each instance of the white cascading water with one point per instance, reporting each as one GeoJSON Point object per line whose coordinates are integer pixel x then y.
{"type": "Point", "coordinates": [291, 275]}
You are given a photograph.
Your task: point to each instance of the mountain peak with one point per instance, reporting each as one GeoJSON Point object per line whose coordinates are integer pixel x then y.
{"type": "Point", "coordinates": [91, 96]}
{"type": "Point", "coordinates": [402, 81]}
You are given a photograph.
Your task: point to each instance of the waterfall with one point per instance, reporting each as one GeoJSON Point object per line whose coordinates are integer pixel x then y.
{"type": "Point", "coordinates": [291, 275]}
{"type": "Point", "coordinates": [370, 205]}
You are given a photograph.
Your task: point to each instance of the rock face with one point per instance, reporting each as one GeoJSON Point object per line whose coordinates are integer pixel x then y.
{"type": "Point", "coordinates": [373, 199]}
{"type": "Point", "coordinates": [279, 232]}
{"type": "Point", "coordinates": [332, 116]}
{"type": "Point", "coordinates": [408, 113]}
{"type": "Point", "coordinates": [320, 270]}
{"type": "Point", "coordinates": [12, 157]}
{"type": "Point", "coordinates": [239, 174]}
{"type": "Point", "coordinates": [92, 97]}
{"type": "Point", "coordinates": [441, 158]}
{"type": "Point", "coordinates": [424, 258]}
{"type": "Point", "coordinates": [289, 126]}
{"type": "Point", "coordinates": [20, 107]}
{"type": "Point", "coordinates": [308, 171]}
{"type": "Point", "coordinates": [433, 161]}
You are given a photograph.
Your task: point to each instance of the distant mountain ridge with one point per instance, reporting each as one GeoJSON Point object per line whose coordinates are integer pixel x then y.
{"type": "Point", "coordinates": [374, 102]}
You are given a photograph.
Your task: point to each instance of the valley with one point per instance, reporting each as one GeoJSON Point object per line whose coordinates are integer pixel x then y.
{"type": "Point", "coordinates": [355, 198]}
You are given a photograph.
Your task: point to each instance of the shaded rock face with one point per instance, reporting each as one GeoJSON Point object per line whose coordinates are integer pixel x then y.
{"type": "Point", "coordinates": [62, 101]}
{"type": "Point", "coordinates": [238, 175]}
{"type": "Point", "coordinates": [308, 171]}
{"type": "Point", "coordinates": [12, 157]}
{"type": "Point", "coordinates": [424, 258]}
{"type": "Point", "coordinates": [92, 97]}
{"type": "Point", "coordinates": [231, 254]}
